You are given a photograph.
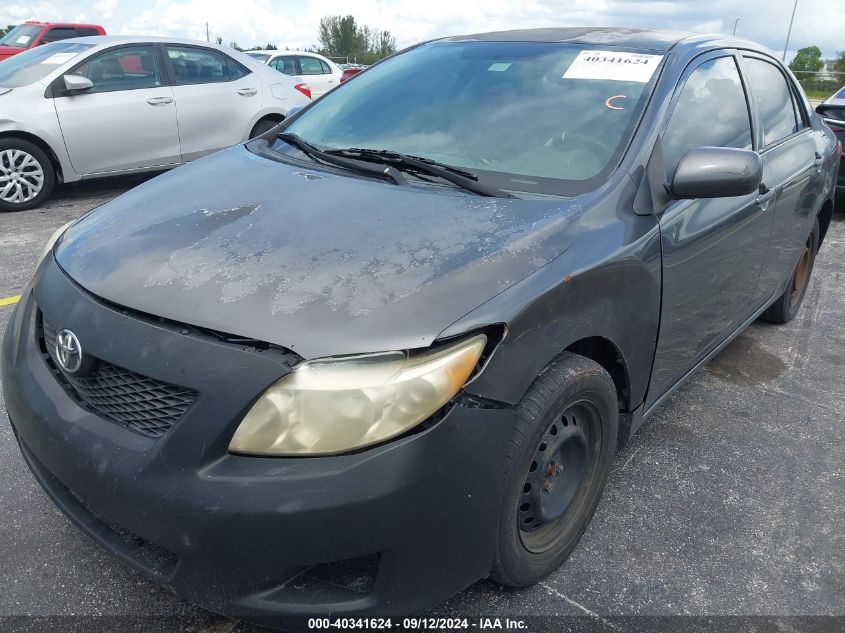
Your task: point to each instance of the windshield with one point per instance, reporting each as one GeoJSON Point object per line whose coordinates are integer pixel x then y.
{"type": "Point", "coordinates": [34, 64]}
{"type": "Point", "coordinates": [262, 57]}
{"type": "Point", "coordinates": [22, 35]}
{"type": "Point", "coordinates": [524, 116]}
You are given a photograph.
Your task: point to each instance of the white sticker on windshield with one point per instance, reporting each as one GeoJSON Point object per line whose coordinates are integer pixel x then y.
{"type": "Point", "coordinates": [499, 67]}
{"type": "Point", "coordinates": [59, 58]}
{"type": "Point", "coordinates": [23, 40]}
{"type": "Point", "coordinates": [613, 66]}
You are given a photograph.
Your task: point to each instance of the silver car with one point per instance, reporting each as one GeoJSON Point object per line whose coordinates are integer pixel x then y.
{"type": "Point", "coordinates": [101, 106]}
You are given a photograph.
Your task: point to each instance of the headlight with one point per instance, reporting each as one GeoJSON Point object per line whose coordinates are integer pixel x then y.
{"type": "Point", "coordinates": [336, 405]}
{"type": "Point", "coordinates": [50, 243]}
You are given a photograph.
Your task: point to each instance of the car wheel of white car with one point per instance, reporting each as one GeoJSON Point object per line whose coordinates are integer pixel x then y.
{"type": "Point", "coordinates": [262, 127]}
{"type": "Point", "coordinates": [26, 175]}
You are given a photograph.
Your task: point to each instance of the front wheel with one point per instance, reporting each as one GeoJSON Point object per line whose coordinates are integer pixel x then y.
{"type": "Point", "coordinates": [561, 450]}
{"type": "Point", "coordinates": [784, 309]}
{"type": "Point", "coordinates": [26, 175]}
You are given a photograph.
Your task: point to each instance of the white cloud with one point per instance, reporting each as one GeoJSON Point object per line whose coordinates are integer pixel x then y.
{"type": "Point", "coordinates": [105, 8]}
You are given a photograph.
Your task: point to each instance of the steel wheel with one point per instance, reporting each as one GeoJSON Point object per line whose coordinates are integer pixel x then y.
{"type": "Point", "coordinates": [21, 176]}
{"type": "Point", "coordinates": [559, 457]}
{"type": "Point", "coordinates": [802, 273]}
{"type": "Point", "coordinates": [562, 462]}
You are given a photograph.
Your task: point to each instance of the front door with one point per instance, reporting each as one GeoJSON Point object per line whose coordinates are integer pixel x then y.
{"type": "Point", "coordinates": [713, 249]}
{"type": "Point", "coordinates": [126, 121]}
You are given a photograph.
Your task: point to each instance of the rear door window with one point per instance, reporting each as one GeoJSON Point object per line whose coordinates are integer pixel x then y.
{"type": "Point", "coordinates": [774, 100]}
{"type": "Point", "coordinates": [286, 65]}
{"type": "Point", "coordinates": [195, 65]}
{"type": "Point", "coordinates": [311, 66]}
{"type": "Point", "coordinates": [712, 110]}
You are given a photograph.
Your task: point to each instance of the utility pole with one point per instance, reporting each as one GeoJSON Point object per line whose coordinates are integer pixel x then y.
{"type": "Point", "coordinates": [207, 37]}
{"type": "Point", "coordinates": [735, 23]}
{"type": "Point", "coordinates": [789, 32]}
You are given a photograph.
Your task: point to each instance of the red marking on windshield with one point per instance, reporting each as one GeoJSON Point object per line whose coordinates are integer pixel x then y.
{"type": "Point", "coordinates": [609, 102]}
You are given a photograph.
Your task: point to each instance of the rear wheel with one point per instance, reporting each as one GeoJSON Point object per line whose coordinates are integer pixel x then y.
{"type": "Point", "coordinates": [561, 451]}
{"type": "Point", "coordinates": [26, 175]}
{"type": "Point", "coordinates": [263, 126]}
{"type": "Point", "coordinates": [786, 307]}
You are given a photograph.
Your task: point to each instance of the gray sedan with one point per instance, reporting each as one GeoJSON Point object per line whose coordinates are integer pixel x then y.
{"type": "Point", "coordinates": [99, 106]}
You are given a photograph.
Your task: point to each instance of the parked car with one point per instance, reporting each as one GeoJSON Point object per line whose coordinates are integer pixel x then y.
{"type": "Point", "coordinates": [92, 107]}
{"type": "Point", "coordinates": [31, 34]}
{"type": "Point", "coordinates": [317, 74]}
{"type": "Point", "coordinates": [836, 99]}
{"type": "Point", "coordinates": [296, 378]}
{"type": "Point", "coordinates": [832, 112]}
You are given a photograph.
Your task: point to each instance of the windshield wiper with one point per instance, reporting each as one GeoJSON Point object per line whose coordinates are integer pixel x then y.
{"type": "Point", "coordinates": [384, 173]}
{"type": "Point", "coordinates": [457, 176]}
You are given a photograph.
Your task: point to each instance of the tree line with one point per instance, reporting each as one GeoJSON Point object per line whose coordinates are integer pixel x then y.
{"type": "Point", "coordinates": [809, 60]}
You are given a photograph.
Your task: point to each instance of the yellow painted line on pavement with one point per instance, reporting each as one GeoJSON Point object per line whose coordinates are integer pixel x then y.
{"type": "Point", "coordinates": [9, 301]}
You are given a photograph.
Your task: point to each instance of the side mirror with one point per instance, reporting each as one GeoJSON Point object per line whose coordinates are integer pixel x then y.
{"type": "Point", "coordinates": [717, 172]}
{"type": "Point", "coordinates": [77, 83]}
{"type": "Point", "coordinates": [293, 111]}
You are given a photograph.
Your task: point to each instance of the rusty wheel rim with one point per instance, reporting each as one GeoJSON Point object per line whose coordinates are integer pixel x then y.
{"type": "Point", "coordinates": [561, 469]}
{"type": "Point", "coordinates": [801, 275]}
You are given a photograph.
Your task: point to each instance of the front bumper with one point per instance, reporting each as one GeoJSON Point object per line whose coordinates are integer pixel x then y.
{"type": "Point", "coordinates": [387, 531]}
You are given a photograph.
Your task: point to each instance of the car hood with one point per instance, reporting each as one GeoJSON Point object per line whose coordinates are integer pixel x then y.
{"type": "Point", "coordinates": [322, 264]}
{"type": "Point", "coordinates": [8, 51]}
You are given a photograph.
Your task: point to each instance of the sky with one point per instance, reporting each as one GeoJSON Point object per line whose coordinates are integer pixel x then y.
{"type": "Point", "coordinates": [294, 23]}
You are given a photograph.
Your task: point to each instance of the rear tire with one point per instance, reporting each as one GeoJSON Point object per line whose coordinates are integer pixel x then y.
{"type": "Point", "coordinates": [27, 176]}
{"type": "Point", "coordinates": [561, 450]}
{"type": "Point", "coordinates": [784, 309]}
{"type": "Point", "coordinates": [262, 127]}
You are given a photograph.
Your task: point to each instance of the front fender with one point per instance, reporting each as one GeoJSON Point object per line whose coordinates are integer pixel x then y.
{"type": "Point", "coordinates": [584, 293]}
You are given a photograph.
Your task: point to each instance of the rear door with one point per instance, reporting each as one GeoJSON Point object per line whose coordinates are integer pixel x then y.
{"type": "Point", "coordinates": [216, 98]}
{"type": "Point", "coordinates": [126, 121]}
{"type": "Point", "coordinates": [713, 249]}
{"type": "Point", "coordinates": [317, 75]}
{"type": "Point", "coordinates": [794, 170]}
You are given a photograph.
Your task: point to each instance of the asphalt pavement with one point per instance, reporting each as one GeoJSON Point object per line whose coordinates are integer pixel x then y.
{"type": "Point", "coordinates": [727, 505]}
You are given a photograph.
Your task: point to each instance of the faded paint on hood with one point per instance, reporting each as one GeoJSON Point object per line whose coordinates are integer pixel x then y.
{"type": "Point", "coordinates": [320, 263]}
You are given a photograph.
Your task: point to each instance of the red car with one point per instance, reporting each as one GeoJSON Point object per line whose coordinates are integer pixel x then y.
{"type": "Point", "coordinates": [30, 34]}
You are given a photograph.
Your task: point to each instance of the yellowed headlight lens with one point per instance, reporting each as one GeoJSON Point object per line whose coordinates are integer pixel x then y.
{"type": "Point", "coordinates": [332, 406]}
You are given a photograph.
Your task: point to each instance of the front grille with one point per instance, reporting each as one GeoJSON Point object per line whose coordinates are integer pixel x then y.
{"type": "Point", "coordinates": [139, 403]}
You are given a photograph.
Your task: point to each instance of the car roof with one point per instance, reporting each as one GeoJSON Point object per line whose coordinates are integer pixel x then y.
{"type": "Point", "coordinates": [110, 40]}
{"type": "Point", "coordinates": [270, 51]}
{"type": "Point", "coordinates": [68, 24]}
{"type": "Point", "coordinates": [645, 39]}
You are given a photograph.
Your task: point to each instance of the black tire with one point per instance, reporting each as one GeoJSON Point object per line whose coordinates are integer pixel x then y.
{"type": "Point", "coordinates": [262, 127]}
{"type": "Point", "coordinates": [553, 470]}
{"type": "Point", "coordinates": [784, 309]}
{"type": "Point", "coordinates": [24, 177]}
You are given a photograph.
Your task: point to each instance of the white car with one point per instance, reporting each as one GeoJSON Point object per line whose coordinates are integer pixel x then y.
{"type": "Point", "coordinates": [98, 106]}
{"type": "Point", "coordinates": [321, 74]}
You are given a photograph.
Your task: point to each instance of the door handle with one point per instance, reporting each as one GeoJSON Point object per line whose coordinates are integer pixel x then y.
{"type": "Point", "coordinates": [155, 101]}
{"type": "Point", "coordinates": [247, 92]}
{"type": "Point", "coordinates": [765, 196]}
{"type": "Point", "coordinates": [819, 162]}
